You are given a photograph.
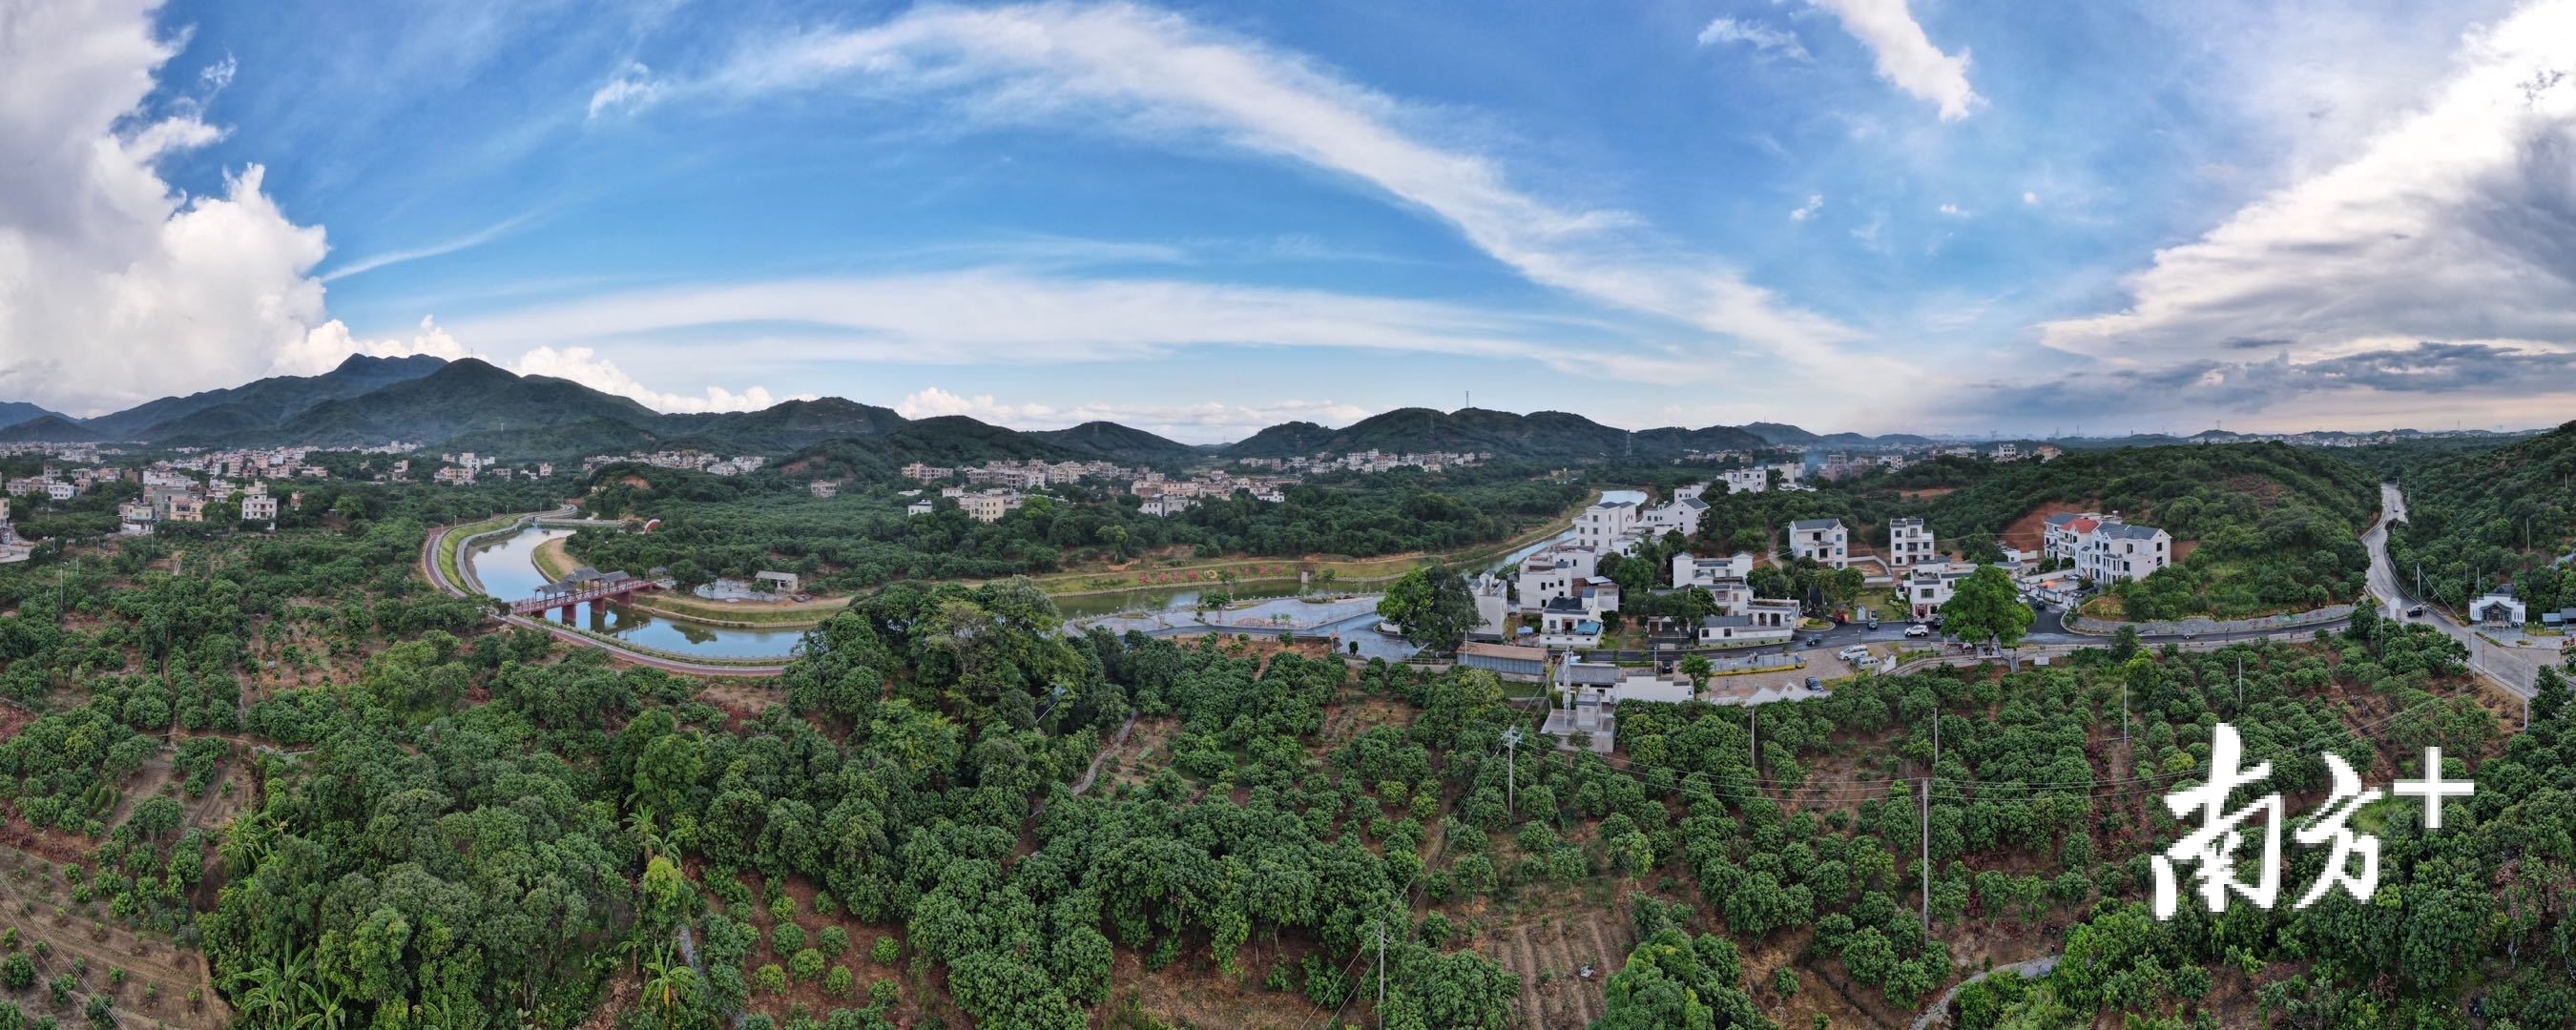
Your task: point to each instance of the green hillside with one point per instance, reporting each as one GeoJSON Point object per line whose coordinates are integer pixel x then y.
{"type": "Point", "coordinates": [2505, 513]}
{"type": "Point", "coordinates": [2262, 526]}
{"type": "Point", "coordinates": [1109, 441]}
{"type": "Point", "coordinates": [257, 405]}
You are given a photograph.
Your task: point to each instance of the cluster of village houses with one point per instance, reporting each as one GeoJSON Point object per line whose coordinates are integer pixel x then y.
{"type": "Point", "coordinates": [1558, 591]}
{"type": "Point", "coordinates": [693, 460]}
{"type": "Point", "coordinates": [1562, 596]}
{"type": "Point", "coordinates": [1006, 484]}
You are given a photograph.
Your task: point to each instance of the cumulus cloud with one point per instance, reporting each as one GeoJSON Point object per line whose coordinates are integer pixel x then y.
{"type": "Point", "coordinates": [1209, 422]}
{"type": "Point", "coordinates": [584, 365]}
{"type": "Point", "coordinates": [1906, 57]}
{"type": "Point", "coordinates": [1762, 38]}
{"type": "Point", "coordinates": [1162, 77]}
{"type": "Point", "coordinates": [1815, 202]}
{"type": "Point", "coordinates": [113, 286]}
{"type": "Point", "coordinates": [2454, 222]}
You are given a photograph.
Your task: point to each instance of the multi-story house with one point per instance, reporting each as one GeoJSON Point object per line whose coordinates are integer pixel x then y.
{"type": "Point", "coordinates": [1930, 583]}
{"type": "Point", "coordinates": [2106, 549]}
{"type": "Point", "coordinates": [1679, 515]}
{"type": "Point", "coordinates": [1908, 541]}
{"type": "Point", "coordinates": [1824, 540]}
{"type": "Point", "coordinates": [1602, 525]}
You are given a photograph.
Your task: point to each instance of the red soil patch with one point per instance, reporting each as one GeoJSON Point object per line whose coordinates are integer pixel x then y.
{"type": "Point", "coordinates": [2030, 532]}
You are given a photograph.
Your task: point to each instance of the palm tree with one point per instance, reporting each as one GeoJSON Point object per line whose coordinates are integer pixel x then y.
{"type": "Point", "coordinates": [327, 1011]}
{"type": "Point", "coordinates": [670, 980]}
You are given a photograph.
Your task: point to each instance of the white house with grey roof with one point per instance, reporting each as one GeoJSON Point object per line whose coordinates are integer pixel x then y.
{"type": "Point", "coordinates": [2107, 549]}
{"type": "Point", "coordinates": [1679, 515]}
{"type": "Point", "coordinates": [1602, 525]}
{"type": "Point", "coordinates": [1824, 540]}
{"type": "Point", "coordinates": [1909, 541]}
{"type": "Point", "coordinates": [1560, 571]}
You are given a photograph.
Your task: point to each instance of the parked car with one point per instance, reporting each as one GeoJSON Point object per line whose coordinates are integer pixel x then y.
{"type": "Point", "coordinates": [1815, 685]}
{"type": "Point", "coordinates": [1918, 630]}
{"type": "Point", "coordinates": [2416, 612]}
{"type": "Point", "coordinates": [1854, 654]}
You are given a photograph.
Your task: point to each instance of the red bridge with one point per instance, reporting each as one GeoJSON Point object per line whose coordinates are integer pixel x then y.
{"type": "Point", "coordinates": [583, 586]}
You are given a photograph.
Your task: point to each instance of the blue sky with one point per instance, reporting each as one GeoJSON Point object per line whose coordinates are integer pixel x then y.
{"type": "Point", "coordinates": [1199, 219]}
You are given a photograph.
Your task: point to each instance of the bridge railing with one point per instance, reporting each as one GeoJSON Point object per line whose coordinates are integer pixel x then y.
{"type": "Point", "coordinates": [541, 603]}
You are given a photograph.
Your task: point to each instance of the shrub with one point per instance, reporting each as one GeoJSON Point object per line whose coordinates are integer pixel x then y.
{"type": "Point", "coordinates": [770, 978]}
{"type": "Point", "coordinates": [806, 964]}
{"type": "Point", "coordinates": [887, 950]}
{"type": "Point", "coordinates": [833, 940]}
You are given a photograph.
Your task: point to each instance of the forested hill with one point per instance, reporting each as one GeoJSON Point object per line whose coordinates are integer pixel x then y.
{"type": "Point", "coordinates": [1110, 441]}
{"type": "Point", "coordinates": [2193, 492]}
{"type": "Point", "coordinates": [2502, 514]}
{"type": "Point", "coordinates": [1538, 436]}
{"type": "Point", "coordinates": [2258, 527]}
{"type": "Point", "coordinates": [13, 413]}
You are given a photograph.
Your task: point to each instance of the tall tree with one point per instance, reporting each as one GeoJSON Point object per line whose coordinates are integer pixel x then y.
{"type": "Point", "coordinates": [1433, 607]}
{"type": "Point", "coordinates": [1986, 607]}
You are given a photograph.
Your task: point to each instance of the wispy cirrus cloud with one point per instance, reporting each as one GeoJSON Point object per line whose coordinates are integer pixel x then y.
{"type": "Point", "coordinates": [1905, 55]}
{"type": "Point", "coordinates": [1019, 316]}
{"type": "Point", "coordinates": [1762, 38]}
{"type": "Point", "coordinates": [395, 257]}
{"type": "Point", "coordinates": [1154, 75]}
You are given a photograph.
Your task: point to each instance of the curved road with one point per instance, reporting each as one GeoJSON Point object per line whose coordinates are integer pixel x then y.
{"type": "Point", "coordinates": [2510, 667]}
{"type": "Point", "coordinates": [429, 567]}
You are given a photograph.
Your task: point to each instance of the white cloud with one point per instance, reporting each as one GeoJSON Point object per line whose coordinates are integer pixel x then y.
{"type": "Point", "coordinates": [632, 87]}
{"type": "Point", "coordinates": [2029, 198]}
{"type": "Point", "coordinates": [1906, 57]}
{"type": "Point", "coordinates": [1762, 38]}
{"type": "Point", "coordinates": [1160, 76]}
{"type": "Point", "coordinates": [114, 287]}
{"type": "Point", "coordinates": [473, 239]}
{"type": "Point", "coordinates": [1954, 211]}
{"type": "Point", "coordinates": [2450, 224]}
{"type": "Point", "coordinates": [331, 341]}
{"type": "Point", "coordinates": [1815, 202]}
{"type": "Point", "coordinates": [584, 365]}
{"type": "Point", "coordinates": [1209, 422]}
{"type": "Point", "coordinates": [989, 315]}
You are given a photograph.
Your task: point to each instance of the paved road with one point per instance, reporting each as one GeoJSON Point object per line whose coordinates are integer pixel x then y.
{"type": "Point", "coordinates": [2510, 667]}
{"type": "Point", "coordinates": [429, 568]}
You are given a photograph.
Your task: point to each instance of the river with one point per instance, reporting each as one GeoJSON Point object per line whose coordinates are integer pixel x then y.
{"type": "Point", "coordinates": [507, 568]}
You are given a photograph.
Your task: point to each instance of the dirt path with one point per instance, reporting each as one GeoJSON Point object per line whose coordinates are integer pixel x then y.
{"type": "Point", "coordinates": [1939, 1013]}
{"type": "Point", "coordinates": [1115, 743]}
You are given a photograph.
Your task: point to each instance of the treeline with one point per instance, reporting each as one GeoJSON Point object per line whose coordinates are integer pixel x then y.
{"type": "Point", "coordinates": [735, 526]}
{"type": "Point", "coordinates": [2502, 515]}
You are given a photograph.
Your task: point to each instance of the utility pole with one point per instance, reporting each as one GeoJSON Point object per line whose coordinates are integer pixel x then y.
{"type": "Point", "coordinates": [1511, 770]}
{"type": "Point", "coordinates": [1936, 740]}
{"type": "Point", "coordinates": [1381, 970]}
{"type": "Point", "coordinates": [1753, 725]}
{"type": "Point", "coordinates": [1927, 856]}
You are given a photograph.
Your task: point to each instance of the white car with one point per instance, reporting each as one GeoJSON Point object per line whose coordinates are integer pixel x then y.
{"type": "Point", "coordinates": [1854, 654]}
{"type": "Point", "coordinates": [1918, 630]}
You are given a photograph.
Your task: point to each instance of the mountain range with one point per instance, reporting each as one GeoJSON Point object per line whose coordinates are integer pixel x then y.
{"type": "Point", "coordinates": [468, 404]}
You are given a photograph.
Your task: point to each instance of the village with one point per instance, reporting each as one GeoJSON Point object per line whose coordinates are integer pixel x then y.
{"type": "Point", "coordinates": [1556, 616]}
